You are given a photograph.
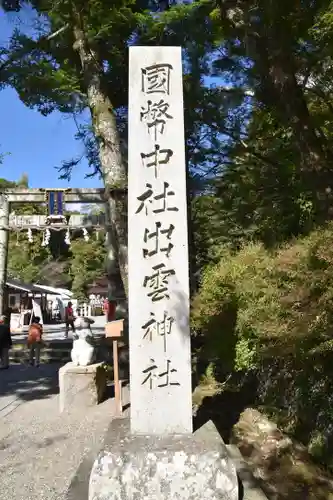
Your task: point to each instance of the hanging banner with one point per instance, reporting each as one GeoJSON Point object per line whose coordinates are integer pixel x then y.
{"type": "Point", "coordinates": [37, 310]}
{"type": "Point", "coordinates": [16, 322]}
{"type": "Point", "coordinates": [55, 201]}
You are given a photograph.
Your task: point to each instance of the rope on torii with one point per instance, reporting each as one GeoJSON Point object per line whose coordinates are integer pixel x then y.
{"type": "Point", "coordinates": [68, 238]}
{"type": "Point", "coordinates": [30, 237]}
{"type": "Point", "coordinates": [46, 238]}
{"type": "Point", "coordinates": [55, 220]}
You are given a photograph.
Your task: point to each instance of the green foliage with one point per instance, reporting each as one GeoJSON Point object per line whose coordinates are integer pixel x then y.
{"type": "Point", "coordinates": [87, 263]}
{"type": "Point", "coordinates": [26, 260]}
{"type": "Point", "coordinates": [74, 267]}
{"type": "Point", "coordinates": [282, 328]}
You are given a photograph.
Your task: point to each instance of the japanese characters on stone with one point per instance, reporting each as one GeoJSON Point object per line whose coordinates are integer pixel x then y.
{"type": "Point", "coordinates": [155, 113]}
{"type": "Point", "coordinates": [156, 200]}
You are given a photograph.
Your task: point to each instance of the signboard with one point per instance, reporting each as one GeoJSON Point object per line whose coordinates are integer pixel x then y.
{"type": "Point", "coordinates": [36, 309]}
{"type": "Point", "coordinates": [114, 329]}
{"type": "Point", "coordinates": [16, 322]}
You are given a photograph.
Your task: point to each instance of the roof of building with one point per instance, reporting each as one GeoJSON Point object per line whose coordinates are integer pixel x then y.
{"type": "Point", "coordinates": [54, 290]}
{"type": "Point", "coordinates": [98, 287]}
{"type": "Point", "coordinates": [27, 287]}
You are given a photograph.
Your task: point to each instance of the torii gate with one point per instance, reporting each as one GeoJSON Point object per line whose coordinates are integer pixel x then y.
{"type": "Point", "coordinates": [55, 198]}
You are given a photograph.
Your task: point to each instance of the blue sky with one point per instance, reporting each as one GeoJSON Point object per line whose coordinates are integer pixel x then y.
{"type": "Point", "coordinates": [36, 144]}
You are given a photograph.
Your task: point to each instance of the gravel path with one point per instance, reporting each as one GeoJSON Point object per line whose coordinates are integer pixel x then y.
{"type": "Point", "coordinates": [40, 450]}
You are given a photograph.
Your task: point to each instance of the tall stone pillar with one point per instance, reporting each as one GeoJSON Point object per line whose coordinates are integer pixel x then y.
{"type": "Point", "coordinates": [4, 222]}
{"type": "Point", "coordinates": [158, 456]}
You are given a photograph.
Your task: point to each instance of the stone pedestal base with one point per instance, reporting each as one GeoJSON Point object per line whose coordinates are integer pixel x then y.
{"type": "Point", "coordinates": [81, 386]}
{"type": "Point", "coordinates": [195, 467]}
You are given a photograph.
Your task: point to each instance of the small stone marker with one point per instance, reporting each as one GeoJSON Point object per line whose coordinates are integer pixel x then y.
{"type": "Point", "coordinates": [159, 335]}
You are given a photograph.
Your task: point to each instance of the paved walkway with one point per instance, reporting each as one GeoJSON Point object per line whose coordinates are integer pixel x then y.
{"type": "Point", "coordinates": [56, 332]}
{"type": "Point", "coordinates": [40, 450]}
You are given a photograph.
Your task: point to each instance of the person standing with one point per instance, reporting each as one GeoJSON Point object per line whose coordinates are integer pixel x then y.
{"type": "Point", "coordinates": [110, 306]}
{"type": "Point", "coordinates": [106, 309]}
{"type": "Point", "coordinates": [35, 341]}
{"type": "Point", "coordinates": [69, 318]}
{"type": "Point", "coordinates": [5, 342]}
{"type": "Point", "coordinates": [112, 310]}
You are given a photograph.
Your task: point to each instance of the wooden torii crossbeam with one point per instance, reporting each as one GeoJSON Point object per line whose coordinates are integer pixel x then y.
{"type": "Point", "coordinates": [38, 195]}
{"type": "Point", "coordinates": [39, 222]}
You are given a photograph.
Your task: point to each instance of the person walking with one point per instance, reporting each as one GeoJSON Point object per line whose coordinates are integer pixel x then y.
{"type": "Point", "coordinates": [5, 343]}
{"type": "Point", "coordinates": [69, 318]}
{"type": "Point", "coordinates": [35, 341]}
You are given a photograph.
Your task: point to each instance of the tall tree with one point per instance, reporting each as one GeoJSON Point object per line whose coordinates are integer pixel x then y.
{"type": "Point", "coordinates": [80, 60]}
{"type": "Point", "coordinates": [275, 44]}
{"type": "Point", "coordinates": [77, 60]}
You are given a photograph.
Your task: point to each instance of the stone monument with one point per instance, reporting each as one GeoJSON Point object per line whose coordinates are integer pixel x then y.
{"type": "Point", "coordinates": [159, 334]}
{"type": "Point", "coordinates": [159, 457]}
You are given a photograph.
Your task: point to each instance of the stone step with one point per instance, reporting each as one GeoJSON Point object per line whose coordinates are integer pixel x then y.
{"type": "Point", "coordinates": [51, 344]}
{"type": "Point", "coordinates": [51, 352]}
{"type": "Point", "coordinates": [59, 351]}
{"type": "Point", "coordinates": [44, 358]}
{"type": "Point", "coordinates": [251, 489]}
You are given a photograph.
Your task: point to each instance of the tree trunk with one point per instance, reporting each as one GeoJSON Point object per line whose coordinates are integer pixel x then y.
{"type": "Point", "coordinates": [281, 92]}
{"type": "Point", "coordinates": [113, 166]}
